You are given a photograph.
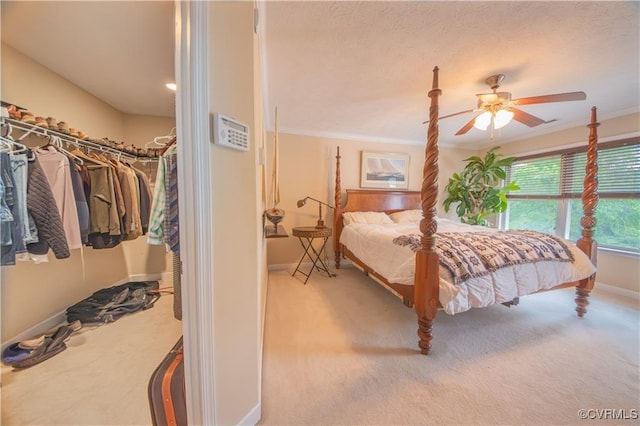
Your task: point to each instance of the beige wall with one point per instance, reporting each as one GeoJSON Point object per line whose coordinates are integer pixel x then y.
{"type": "Point", "coordinates": [140, 130]}
{"type": "Point", "coordinates": [235, 225]}
{"type": "Point", "coordinates": [621, 271]}
{"type": "Point", "coordinates": [33, 293]}
{"type": "Point", "coordinates": [307, 168]}
{"type": "Point", "coordinates": [24, 82]}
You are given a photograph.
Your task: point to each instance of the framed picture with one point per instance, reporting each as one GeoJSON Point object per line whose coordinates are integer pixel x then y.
{"type": "Point", "coordinates": [384, 170]}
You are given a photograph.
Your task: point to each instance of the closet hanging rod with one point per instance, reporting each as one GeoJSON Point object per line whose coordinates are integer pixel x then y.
{"type": "Point", "coordinates": [32, 128]}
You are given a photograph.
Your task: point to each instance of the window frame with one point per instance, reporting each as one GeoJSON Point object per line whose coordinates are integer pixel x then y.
{"type": "Point", "coordinates": [564, 199]}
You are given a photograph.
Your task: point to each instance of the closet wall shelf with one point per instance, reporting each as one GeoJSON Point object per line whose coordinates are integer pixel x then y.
{"type": "Point", "coordinates": [37, 130]}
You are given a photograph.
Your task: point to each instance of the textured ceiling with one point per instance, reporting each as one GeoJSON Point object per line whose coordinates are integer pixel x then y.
{"type": "Point", "coordinates": [360, 69]}
{"type": "Point", "coordinates": [363, 69]}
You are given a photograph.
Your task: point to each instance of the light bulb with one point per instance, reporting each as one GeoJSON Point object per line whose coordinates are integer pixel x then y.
{"type": "Point", "coordinates": [502, 118]}
{"type": "Point", "coordinates": [482, 121]}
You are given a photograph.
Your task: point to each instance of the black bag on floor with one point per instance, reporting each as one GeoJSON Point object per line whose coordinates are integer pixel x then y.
{"type": "Point", "coordinates": [167, 399]}
{"type": "Point", "coordinates": [109, 304]}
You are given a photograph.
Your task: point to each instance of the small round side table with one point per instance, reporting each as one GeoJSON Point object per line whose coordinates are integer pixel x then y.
{"type": "Point", "coordinates": [306, 235]}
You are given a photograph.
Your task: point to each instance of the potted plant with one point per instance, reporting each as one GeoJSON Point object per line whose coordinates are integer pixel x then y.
{"type": "Point", "coordinates": [478, 189]}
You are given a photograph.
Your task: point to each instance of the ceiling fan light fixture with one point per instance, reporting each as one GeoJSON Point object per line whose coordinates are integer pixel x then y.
{"type": "Point", "coordinates": [482, 121]}
{"type": "Point", "coordinates": [502, 118]}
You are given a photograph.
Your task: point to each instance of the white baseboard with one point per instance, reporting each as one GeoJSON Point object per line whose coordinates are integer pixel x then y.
{"type": "Point", "coordinates": [282, 266]}
{"type": "Point", "coordinates": [606, 288]}
{"type": "Point", "coordinates": [253, 417]}
{"type": "Point", "coordinates": [61, 317]}
{"type": "Point", "coordinates": [344, 263]}
{"type": "Point", "coordinates": [38, 329]}
{"type": "Point", "coordinates": [145, 277]}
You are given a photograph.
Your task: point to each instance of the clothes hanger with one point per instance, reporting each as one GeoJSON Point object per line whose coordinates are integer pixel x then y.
{"type": "Point", "coordinates": [5, 145]}
{"type": "Point", "coordinates": [167, 146]}
{"type": "Point", "coordinates": [86, 157]}
{"type": "Point", "coordinates": [56, 143]}
{"type": "Point", "coordinates": [8, 142]}
{"type": "Point", "coordinates": [162, 140]}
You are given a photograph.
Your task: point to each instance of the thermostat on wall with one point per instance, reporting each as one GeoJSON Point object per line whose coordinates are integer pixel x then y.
{"type": "Point", "coordinates": [230, 132]}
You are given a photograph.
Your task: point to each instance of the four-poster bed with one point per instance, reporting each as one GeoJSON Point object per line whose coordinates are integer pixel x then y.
{"type": "Point", "coordinates": [424, 292]}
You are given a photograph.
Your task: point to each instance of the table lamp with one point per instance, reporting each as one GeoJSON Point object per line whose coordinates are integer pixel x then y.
{"type": "Point", "coordinates": [320, 224]}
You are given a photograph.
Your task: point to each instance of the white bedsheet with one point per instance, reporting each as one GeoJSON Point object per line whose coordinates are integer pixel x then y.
{"type": "Point", "coordinates": [373, 244]}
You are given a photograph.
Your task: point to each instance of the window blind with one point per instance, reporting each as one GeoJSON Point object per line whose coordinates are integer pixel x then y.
{"type": "Point", "coordinates": [618, 172]}
{"type": "Point", "coordinates": [561, 175]}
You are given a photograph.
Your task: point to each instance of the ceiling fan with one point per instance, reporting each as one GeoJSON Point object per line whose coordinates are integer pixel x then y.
{"type": "Point", "coordinates": [497, 109]}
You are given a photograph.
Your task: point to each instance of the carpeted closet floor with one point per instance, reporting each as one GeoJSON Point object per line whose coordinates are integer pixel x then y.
{"type": "Point", "coordinates": [344, 351]}
{"type": "Point", "coordinates": [100, 379]}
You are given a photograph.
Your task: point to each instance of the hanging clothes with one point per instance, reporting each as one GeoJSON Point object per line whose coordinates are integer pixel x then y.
{"type": "Point", "coordinates": [81, 202]}
{"type": "Point", "coordinates": [145, 199]}
{"type": "Point", "coordinates": [57, 171]}
{"type": "Point", "coordinates": [19, 168]}
{"type": "Point", "coordinates": [163, 223]}
{"type": "Point", "coordinates": [51, 198]}
{"type": "Point", "coordinates": [129, 184]}
{"type": "Point", "coordinates": [104, 222]}
{"type": "Point", "coordinates": [172, 238]}
{"type": "Point", "coordinates": [44, 210]}
{"type": "Point", "coordinates": [9, 234]}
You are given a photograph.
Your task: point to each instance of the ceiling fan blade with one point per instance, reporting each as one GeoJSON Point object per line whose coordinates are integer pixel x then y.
{"type": "Point", "coordinates": [452, 115]}
{"type": "Point", "coordinates": [466, 127]}
{"type": "Point", "coordinates": [558, 97]}
{"type": "Point", "coordinates": [526, 118]}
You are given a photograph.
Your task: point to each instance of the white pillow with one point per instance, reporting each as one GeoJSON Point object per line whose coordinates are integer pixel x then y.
{"type": "Point", "coordinates": [374, 218]}
{"type": "Point", "coordinates": [407, 216]}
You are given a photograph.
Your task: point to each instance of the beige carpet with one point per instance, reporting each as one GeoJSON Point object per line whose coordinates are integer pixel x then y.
{"type": "Point", "coordinates": [344, 351]}
{"type": "Point", "coordinates": [100, 379]}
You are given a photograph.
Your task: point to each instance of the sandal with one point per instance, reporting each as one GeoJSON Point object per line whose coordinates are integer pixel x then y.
{"type": "Point", "coordinates": [50, 347]}
{"type": "Point", "coordinates": [14, 353]}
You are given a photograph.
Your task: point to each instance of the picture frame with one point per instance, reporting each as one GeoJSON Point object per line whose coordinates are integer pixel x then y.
{"type": "Point", "coordinates": [389, 170]}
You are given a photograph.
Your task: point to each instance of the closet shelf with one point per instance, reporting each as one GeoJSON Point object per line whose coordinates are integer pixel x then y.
{"type": "Point", "coordinates": [37, 130]}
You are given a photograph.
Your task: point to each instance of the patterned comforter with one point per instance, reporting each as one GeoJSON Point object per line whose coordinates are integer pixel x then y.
{"type": "Point", "coordinates": [471, 255]}
{"type": "Point", "coordinates": [373, 244]}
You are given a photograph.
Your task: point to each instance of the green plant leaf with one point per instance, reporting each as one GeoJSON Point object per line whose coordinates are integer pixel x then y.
{"type": "Point", "coordinates": [477, 188]}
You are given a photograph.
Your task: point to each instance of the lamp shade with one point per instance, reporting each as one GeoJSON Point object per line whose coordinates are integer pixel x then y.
{"type": "Point", "coordinates": [495, 120]}
{"type": "Point", "coordinates": [502, 118]}
{"type": "Point", "coordinates": [482, 121]}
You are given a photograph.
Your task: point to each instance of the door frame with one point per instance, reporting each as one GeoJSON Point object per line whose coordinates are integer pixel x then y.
{"type": "Point", "coordinates": [195, 189]}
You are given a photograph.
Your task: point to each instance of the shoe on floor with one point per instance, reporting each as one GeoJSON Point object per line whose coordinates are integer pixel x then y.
{"type": "Point", "coordinates": [50, 347]}
{"type": "Point", "coordinates": [14, 353]}
{"type": "Point", "coordinates": [31, 343]}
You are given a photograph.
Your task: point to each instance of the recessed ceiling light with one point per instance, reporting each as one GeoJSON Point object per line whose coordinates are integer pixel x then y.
{"type": "Point", "coordinates": [171, 86]}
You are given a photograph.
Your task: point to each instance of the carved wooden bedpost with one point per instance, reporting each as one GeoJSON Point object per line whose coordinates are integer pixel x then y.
{"type": "Point", "coordinates": [589, 202]}
{"type": "Point", "coordinates": [336, 211]}
{"type": "Point", "coordinates": [427, 265]}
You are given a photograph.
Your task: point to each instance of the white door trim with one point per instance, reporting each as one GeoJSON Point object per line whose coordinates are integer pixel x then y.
{"type": "Point", "coordinates": [195, 189]}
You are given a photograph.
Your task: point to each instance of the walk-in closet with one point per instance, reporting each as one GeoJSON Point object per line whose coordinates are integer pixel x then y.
{"type": "Point", "coordinates": [85, 106]}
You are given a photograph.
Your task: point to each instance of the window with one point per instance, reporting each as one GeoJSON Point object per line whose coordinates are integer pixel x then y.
{"type": "Point", "coordinates": [549, 198]}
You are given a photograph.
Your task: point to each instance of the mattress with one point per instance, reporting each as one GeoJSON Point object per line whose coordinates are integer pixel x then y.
{"type": "Point", "coordinates": [373, 245]}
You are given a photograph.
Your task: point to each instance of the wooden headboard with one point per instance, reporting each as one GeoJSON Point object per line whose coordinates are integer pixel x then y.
{"type": "Point", "coordinates": [370, 200]}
